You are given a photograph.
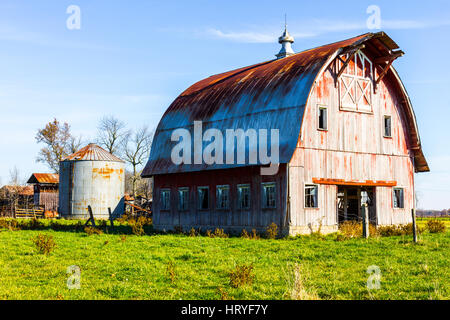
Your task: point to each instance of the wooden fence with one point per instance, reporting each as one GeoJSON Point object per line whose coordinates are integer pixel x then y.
{"type": "Point", "coordinates": [29, 213]}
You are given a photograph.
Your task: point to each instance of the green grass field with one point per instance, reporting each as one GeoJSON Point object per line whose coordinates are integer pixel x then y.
{"type": "Point", "coordinates": [137, 267]}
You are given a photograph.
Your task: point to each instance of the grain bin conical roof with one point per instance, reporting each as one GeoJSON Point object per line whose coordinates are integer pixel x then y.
{"type": "Point", "coordinates": [92, 152]}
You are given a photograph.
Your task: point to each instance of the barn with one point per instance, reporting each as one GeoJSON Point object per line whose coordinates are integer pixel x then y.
{"type": "Point", "coordinates": [342, 134]}
{"type": "Point", "coordinates": [45, 187]}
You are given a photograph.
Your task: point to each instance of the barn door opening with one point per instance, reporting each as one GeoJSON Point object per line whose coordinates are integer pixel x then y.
{"type": "Point", "coordinates": [349, 201]}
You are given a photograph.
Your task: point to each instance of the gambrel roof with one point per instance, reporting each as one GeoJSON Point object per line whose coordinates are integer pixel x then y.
{"type": "Point", "coordinates": [268, 95]}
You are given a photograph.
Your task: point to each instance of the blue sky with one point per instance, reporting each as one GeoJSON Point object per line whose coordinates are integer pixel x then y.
{"type": "Point", "coordinates": [132, 58]}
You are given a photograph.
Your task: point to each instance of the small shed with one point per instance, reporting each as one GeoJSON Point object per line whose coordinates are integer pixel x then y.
{"type": "Point", "coordinates": [45, 186]}
{"type": "Point", "coordinates": [91, 177]}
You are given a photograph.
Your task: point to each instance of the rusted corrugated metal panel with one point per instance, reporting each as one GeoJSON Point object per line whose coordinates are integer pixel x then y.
{"type": "Point", "coordinates": [269, 95]}
{"type": "Point", "coordinates": [92, 152]}
{"type": "Point", "coordinates": [44, 178]}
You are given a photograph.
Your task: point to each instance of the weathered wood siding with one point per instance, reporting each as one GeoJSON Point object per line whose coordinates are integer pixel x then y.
{"type": "Point", "coordinates": [233, 219]}
{"type": "Point", "coordinates": [353, 148]}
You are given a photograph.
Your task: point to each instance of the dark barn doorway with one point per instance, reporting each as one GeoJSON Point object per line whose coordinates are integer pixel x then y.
{"type": "Point", "coordinates": [350, 200]}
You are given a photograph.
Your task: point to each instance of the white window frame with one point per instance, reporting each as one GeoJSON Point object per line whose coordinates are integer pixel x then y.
{"type": "Point", "coordinates": [386, 116]}
{"type": "Point", "coordinates": [265, 185]}
{"type": "Point", "coordinates": [239, 188]}
{"type": "Point", "coordinates": [355, 83]}
{"type": "Point", "coordinates": [322, 107]}
{"type": "Point", "coordinates": [315, 186]}
{"type": "Point", "coordinates": [402, 200]}
{"type": "Point", "coordinates": [165, 200]}
{"type": "Point", "coordinates": [181, 191]}
{"type": "Point", "coordinates": [199, 207]}
{"type": "Point", "coordinates": [219, 194]}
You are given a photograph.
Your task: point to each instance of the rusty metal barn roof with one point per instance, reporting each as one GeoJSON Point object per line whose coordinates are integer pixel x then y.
{"type": "Point", "coordinates": [50, 178]}
{"type": "Point", "coordinates": [92, 152]}
{"type": "Point", "coordinates": [268, 95]}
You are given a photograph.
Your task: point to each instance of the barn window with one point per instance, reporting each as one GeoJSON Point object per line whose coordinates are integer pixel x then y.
{"type": "Point", "coordinates": [183, 199]}
{"type": "Point", "coordinates": [398, 198]}
{"type": "Point", "coordinates": [387, 126]}
{"type": "Point", "coordinates": [223, 197]}
{"type": "Point", "coordinates": [243, 196]}
{"type": "Point", "coordinates": [165, 199]}
{"type": "Point", "coordinates": [203, 198]}
{"type": "Point", "coordinates": [323, 118]}
{"type": "Point", "coordinates": [311, 192]}
{"type": "Point", "coordinates": [355, 82]}
{"type": "Point", "coordinates": [268, 195]}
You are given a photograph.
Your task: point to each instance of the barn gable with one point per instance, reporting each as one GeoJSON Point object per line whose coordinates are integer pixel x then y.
{"type": "Point", "coordinates": [270, 95]}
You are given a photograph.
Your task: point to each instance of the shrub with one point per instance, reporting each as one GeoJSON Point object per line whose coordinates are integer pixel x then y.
{"type": "Point", "coordinates": [137, 226]}
{"type": "Point", "coordinates": [435, 226]}
{"type": "Point", "coordinates": [32, 224]}
{"type": "Point", "coordinates": [44, 243]}
{"type": "Point", "coordinates": [241, 275]}
{"type": "Point", "coordinates": [396, 230]}
{"type": "Point", "coordinates": [354, 229]}
{"type": "Point", "coordinates": [11, 225]}
{"type": "Point", "coordinates": [91, 230]}
{"type": "Point", "coordinates": [272, 231]}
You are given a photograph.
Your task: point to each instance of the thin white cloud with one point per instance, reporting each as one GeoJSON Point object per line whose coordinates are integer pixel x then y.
{"type": "Point", "coordinates": [317, 27]}
{"type": "Point", "coordinates": [253, 37]}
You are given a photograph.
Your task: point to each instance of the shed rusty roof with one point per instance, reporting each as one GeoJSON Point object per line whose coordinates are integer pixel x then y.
{"type": "Point", "coordinates": [268, 95]}
{"type": "Point", "coordinates": [92, 152]}
{"type": "Point", "coordinates": [50, 178]}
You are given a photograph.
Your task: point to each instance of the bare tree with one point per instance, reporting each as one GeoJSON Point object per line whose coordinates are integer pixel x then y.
{"type": "Point", "coordinates": [136, 149]}
{"type": "Point", "coordinates": [59, 143]}
{"type": "Point", "coordinates": [14, 189]}
{"type": "Point", "coordinates": [75, 144]}
{"type": "Point", "coordinates": [111, 132]}
{"type": "Point", "coordinates": [14, 177]}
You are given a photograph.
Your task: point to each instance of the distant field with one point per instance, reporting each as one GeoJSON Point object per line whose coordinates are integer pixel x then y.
{"type": "Point", "coordinates": [141, 267]}
{"type": "Point", "coordinates": [422, 221]}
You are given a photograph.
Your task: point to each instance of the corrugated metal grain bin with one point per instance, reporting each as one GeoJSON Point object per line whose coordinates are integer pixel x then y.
{"type": "Point", "coordinates": [91, 176]}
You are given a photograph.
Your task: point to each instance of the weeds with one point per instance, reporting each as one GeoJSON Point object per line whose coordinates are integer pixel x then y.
{"type": "Point", "coordinates": [253, 235]}
{"type": "Point", "coordinates": [11, 225]}
{"type": "Point", "coordinates": [435, 226]}
{"type": "Point", "coordinates": [171, 272]}
{"type": "Point", "coordinates": [354, 229]}
{"type": "Point", "coordinates": [272, 231]}
{"type": "Point", "coordinates": [192, 233]}
{"type": "Point", "coordinates": [241, 275]}
{"type": "Point", "coordinates": [137, 226]}
{"type": "Point", "coordinates": [397, 230]}
{"type": "Point", "coordinates": [218, 233]}
{"type": "Point", "coordinates": [223, 294]}
{"type": "Point", "coordinates": [44, 244]}
{"type": "Point", "coordinates": [296, 286]}
{"type": "Point", "coordinates": [91, 230]}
